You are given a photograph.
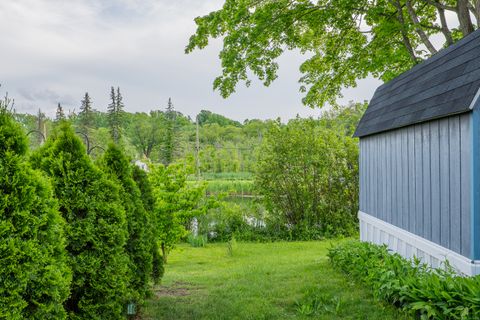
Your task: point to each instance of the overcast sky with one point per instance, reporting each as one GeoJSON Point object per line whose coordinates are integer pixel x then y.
{"type": "Point", "coordinates": [54, 50]}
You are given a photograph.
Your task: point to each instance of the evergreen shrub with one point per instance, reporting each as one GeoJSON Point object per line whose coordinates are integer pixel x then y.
{"type": "Point", "coordinates": [140, 233]}
{"type": "Point", "coordinates": [96, 228]}
{"type": "Point", "coordinates": [141, 179]}
{"type": "Point", "coordinates": [34, 276]}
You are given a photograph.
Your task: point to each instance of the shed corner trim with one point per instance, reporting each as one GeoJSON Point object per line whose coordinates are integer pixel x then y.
{"type": "Point", "coordinates": [409, 245]}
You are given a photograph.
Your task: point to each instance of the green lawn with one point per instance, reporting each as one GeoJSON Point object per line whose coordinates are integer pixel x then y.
{"type": "Point", "coordinates": [260, 281]}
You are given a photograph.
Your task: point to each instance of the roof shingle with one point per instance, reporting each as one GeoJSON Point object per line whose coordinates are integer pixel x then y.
{"type": "Point", "coordinates": [442, 85]}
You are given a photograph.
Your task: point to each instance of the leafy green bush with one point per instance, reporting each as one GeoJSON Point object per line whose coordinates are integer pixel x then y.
{"type": "Point", "coordinates": [96, 229]}
{"type": "Point", "coordinates": [34, 276]}
{"type": "Point", "coordinates": [425, 292]}
{"type": "Point", "coordinates": [244, 219]}
{"type": "Point", "coordinates": [248, 220]}
{"type": "Point", "coordinates": [307, 173]}
{"type": "Point", "coordinates": [176, 203]}
{"type": "Point", "coordinates": [140, 239]}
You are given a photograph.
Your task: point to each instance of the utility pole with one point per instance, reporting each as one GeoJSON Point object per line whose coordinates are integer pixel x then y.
{"type": "Point", "coordinates": [197, 149]}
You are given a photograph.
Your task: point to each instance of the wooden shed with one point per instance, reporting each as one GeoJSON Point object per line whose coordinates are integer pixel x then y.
{"type": "Point", "coordinates": [420, 160]}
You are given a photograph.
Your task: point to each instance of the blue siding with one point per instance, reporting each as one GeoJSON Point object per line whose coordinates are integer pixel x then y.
{"type": "Point", "coordinates": [475, 212]}
{"type": "Point", "coordinates": [426, 179]}
{"type": "Point", "coordinates": [419, 178]}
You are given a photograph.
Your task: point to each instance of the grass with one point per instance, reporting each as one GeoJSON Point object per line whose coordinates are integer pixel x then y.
{"type": "Point", "coordinates": [224, 176]}
{"type": "Point", "coordinates": [278, 280]}
{"type": "Point", "coordinates": [237, 187]}
{"type": "Point", "coordinates": [231, 183]}
{"type": "Point", "coordinates": [229, 187]}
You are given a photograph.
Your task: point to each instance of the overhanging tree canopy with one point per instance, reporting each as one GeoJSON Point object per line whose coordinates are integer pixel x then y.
{"type": "Point", "coordinates": [344, 40]}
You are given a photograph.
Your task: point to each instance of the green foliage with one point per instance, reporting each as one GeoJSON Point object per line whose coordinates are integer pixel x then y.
{"type": "Point", "coordinates": [59, 114]}
{"type": "Point", "coordinates": [424, 292]}
{"type": "Point", "coordinates": [197, 241]}
{"type": "Point", "coordinates": [13, 139]}
{"type": "Point", "coordinates": [245, 220]}
{"type": "Point", "coordinates": [176, 203]}
{"type": "Point", "coordinates": [115, 114]}
{"type": "Point", "coordinates": [344, 118]}
{"type": "Point", "coordinates": [158, 267]}
{"type": "Point", "coordinates": [208, 117]}
{"type": "Point", "coordinates": [231, 246]}
{"type": "Point", "coordinates": [308, 174]}
{"type": "Point", "coordinates": [146, 131]}
{"type": "Point", "coordinates": [146, 191]}
{"type": "Point", "coordinates": [210, 176]}
{"type": "Point", "coordinates": [171, 130]}
{"type": "Point", "coordinates": [230, 187]}
{"type": "Point", "coordinates": [229, 148]}
{"type": "Point", "coordinates": [141, 179]}
{"type": "Point", "coordinates": [96, 228]}
{"type": "Point", "coordinates": [316, 303]}
{"type": "Point", "coordinates": [34, 275]}
{"type": "Point", "coordinates": [86, 114]}
{"type": "Point", "coordinates": [344, 40]}
{"type": "Point", "coordinates": [140, 242]}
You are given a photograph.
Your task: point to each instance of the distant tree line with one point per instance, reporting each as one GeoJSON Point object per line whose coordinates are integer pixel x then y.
{"type": "Point", "coordinates": [161, 136]}
{"type": "Point", "coordinates": [306, 179]}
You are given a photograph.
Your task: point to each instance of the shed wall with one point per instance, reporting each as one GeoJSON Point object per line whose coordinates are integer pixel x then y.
{"type": "Point", "coordinates": [419, 178]}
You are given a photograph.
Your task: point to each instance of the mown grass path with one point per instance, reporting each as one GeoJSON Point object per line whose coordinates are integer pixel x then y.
{"type": "Point", "coordinates": [282, 280]}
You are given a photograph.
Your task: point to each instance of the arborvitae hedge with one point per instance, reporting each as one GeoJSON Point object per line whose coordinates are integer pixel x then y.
{"type": "Point", "coordinates": [34, 277]}
{"type": "Point", "coordinates": [141, 179]}
{"type": "Point", "coordinates": [96, 227]}
{"type": "Point", "coordinates": [139, 242]}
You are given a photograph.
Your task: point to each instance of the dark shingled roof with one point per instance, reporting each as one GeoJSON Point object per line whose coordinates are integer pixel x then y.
{"type": "Point", "coordinates": [442, 85]}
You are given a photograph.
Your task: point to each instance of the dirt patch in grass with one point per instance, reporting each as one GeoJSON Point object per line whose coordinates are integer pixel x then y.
{"type": "Point", "coordinates": [176, 289]}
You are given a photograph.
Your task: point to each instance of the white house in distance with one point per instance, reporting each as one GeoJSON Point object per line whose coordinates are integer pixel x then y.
{"type": "Point", "coordinates": [420, 160]}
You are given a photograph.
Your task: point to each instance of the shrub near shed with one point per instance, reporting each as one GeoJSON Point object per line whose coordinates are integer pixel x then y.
{"type": "Point", "coordinates": [424, 292]}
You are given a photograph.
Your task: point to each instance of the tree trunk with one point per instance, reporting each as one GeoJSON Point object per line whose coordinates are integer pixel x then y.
{"type": "Point", "coordinates": [443, 21]}
{"type": "Point", "coordinates": [463, 14]}
{"type": "Point", "coordinates": [423, 36]}
{"type": "Point", "coordinates": [406, 40]}
{"type": "Point", "coordinates": [476, 11]}
{"type": "Point", "coordinates": [164, 253]}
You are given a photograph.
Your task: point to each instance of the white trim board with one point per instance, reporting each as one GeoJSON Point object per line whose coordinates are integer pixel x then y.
{"type": "Point", "coordinates": [409, 245]}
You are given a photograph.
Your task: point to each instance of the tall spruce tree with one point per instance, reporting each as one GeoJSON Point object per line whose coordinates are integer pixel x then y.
{"type": "Point", "coordinates": [115, 114]}
{"type": "Point", "coordinates": [146, 191]}
{"type": "Point", "coordinates": [140, 238]}
{"type": "Point", "coordinates": [34, 275]}
{"type": "Point", "coordinates": [169, 144]}
{"type": "Point", "coordinates": [96, 227]}
{"type": "Point", "coordinates": [60, 114]}
{"type": "Point", "coordinates": [86, 114]}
